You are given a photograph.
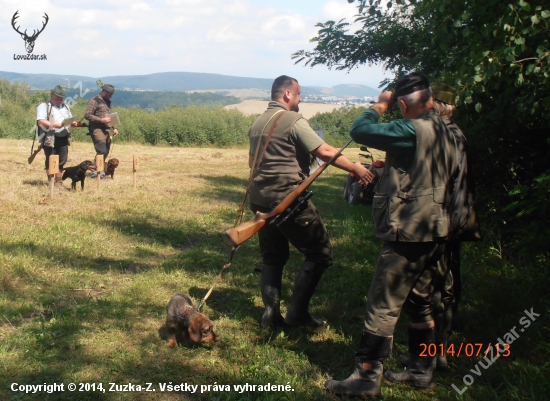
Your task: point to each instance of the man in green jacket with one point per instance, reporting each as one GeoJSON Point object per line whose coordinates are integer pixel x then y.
{"type": "Point", "coordinates": [411, 217]}
{"type": "Point", "coordinates": [276, 173]}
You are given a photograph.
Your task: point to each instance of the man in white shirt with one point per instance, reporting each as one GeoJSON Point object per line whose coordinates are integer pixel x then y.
{"type": "Point", "coordinates": [55, 137]}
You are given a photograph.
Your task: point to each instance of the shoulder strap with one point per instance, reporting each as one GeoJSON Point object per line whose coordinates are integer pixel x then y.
{"type": "Point", "coordinates": [255, 165]}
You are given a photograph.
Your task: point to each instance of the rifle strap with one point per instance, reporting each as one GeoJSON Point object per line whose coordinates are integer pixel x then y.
{"type": "Point", "coordinates": [256, 165]}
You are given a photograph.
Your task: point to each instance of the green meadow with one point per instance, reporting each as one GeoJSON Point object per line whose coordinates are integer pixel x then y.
{"type": "Point", "coordinates": [85, 277]}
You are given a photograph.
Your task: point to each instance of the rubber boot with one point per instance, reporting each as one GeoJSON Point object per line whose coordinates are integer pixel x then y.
{"type": "Point", "coordinates": [270, 285]}
{"type": "Point", "coordinates": [305, 283]}
{"type": "Point", "coordinates": [420, 371]}
{"type": "Point", "coordinates": [443, 323]}
{"type": "Point", "coordinates": [365, 379]}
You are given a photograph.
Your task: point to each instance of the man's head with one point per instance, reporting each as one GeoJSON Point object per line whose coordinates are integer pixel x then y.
{"type": "Point", "coordinates": [56, 96]}
{"type": "Point", "coordinates": [413, 95]}
{"type": "Point", "coordinates": [286, 90]}
{"type": "Point", "coordinates": [444, 96]}
{"type": "Point", "coordinates": [107, 91]}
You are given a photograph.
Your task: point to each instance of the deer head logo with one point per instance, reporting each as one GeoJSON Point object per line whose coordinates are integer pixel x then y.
{"type": "Point", "coordinates": [29, 40]}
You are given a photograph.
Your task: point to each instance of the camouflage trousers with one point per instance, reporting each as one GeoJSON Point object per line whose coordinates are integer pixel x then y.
{"type": "Point", "coordinates": [305, 231]}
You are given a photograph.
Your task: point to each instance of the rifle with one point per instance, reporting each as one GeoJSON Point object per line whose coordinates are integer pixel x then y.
{"type": "Point", "coordinates": [38, 149]}
{"type": "Point", "coordinates": [33, 154]}
{"type": "Point", "coordinates": [245, 231]}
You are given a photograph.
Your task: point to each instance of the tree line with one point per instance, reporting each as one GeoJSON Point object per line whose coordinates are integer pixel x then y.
{"type": "Point", "coordinates": [194, 125]}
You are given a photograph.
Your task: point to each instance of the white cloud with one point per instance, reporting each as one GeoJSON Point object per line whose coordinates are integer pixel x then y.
{"type": "Point", "coordinates": [337, 10]}
{"type": "Point", "coordinates": [124, 37]}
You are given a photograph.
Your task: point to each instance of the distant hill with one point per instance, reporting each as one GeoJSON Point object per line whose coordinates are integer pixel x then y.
{"type": "Point", "coordinates": [160, 100]}
{"type": "Point", "coordinates": [163, 81]}
{"type": "Point", "coordinates": [351, 90]}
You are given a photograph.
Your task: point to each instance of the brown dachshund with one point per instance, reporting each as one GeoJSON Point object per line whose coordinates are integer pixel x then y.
{"type": "Point", "coordinates": [112, 164]}
{"type": "Point", "coordinates": [183, 317]}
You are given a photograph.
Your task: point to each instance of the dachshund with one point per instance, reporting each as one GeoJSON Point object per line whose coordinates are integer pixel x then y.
{"type": "Point", "coordinates": [78, 173]}
{"type": "Point", "coordinates": [183, 317]}
{"type": "Point", "coordinates": [112, 164]}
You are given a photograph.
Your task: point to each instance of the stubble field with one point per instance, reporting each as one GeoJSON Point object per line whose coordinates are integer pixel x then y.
{"type": "Point", "coordinates": [85, 278]}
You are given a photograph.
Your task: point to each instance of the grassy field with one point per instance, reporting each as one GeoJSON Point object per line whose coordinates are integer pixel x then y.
{"type": "Point", "coordinates": [85, 278]}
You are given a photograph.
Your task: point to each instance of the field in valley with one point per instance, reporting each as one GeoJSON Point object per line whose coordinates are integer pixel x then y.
{"type": "Point", "coordinates": [308, 110]}
{"type": "Point", "coordinates": [85, 278]}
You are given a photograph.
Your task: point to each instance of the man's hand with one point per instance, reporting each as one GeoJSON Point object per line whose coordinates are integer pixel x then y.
{"type": "Point", "coordinates": [74, 124]}
{"type": "Point", "coordinates": [385, 101]}
{"type": "Point", "coordinates": [365, 176]}
{"type": "Point", "coordinates": [106, 120]}
{"type": "Point", "coordinates": [115, 131]}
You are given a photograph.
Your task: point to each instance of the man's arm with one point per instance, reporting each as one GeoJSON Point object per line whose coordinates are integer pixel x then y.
{"type": "Point", "coordinates": [325, 152]}
{"type": "Point", "coordinates": [398, 135]}
{"type": "Point", "coordinates": [312, 143]}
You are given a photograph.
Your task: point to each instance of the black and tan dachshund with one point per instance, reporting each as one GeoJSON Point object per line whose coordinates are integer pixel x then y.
{"type": "Point", "coordinates": [78, 173]}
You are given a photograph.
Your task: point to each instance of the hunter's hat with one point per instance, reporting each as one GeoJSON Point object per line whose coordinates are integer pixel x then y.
{"type": "Point", "coordinates": [411, 83]}
{"type": "Point", "coordinates": [108, 88]}
{"type": "Point", "coordinates": [443, 92]}
{"type": "Point", "coordinates": [58, 91]}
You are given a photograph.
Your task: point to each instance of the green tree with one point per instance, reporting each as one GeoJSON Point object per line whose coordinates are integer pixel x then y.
{"type": "Point", "coordinates": [497, 55]}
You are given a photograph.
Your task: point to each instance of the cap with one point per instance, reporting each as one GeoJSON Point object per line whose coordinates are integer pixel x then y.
{"type": "Point", "coordinates": [411, 83]}
{"type": "Point", "coordinates": [443, 92]}
{"type": "Point", "coordinates": [108, 88]}
{"type": "Point", "coordinates": [58, 91]}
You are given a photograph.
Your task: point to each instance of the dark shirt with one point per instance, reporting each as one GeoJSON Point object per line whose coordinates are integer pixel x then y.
{"type": "Point", "coordinates": [97, 109]}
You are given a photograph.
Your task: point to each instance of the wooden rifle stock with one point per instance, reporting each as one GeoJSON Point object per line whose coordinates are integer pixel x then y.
{"type": "Point", "coordinates": [33, 154]}
{"type": "Point", "coordinates": [243, 232]}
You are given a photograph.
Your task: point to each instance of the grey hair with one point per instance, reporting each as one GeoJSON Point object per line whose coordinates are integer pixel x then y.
{"type": "Point", "coordinates": [445, 110]}
{"type": "Point", "coordinates": [418, 97]}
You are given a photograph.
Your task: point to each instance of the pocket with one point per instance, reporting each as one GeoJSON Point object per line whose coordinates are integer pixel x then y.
{"type": "Point", "coordinates": [380, 212]}
{"type": "Point", "coordinates": [49, 139]}
{"type": "Point", "coordinates": [306, 216]}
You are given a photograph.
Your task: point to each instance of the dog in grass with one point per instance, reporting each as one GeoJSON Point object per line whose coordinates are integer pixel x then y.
{"type": "Point", "coordinates": [78, 173]}
{"type": "Point", "coordinates": [112, 165]}
{"type": "Point", "coordinates": [183, 318]}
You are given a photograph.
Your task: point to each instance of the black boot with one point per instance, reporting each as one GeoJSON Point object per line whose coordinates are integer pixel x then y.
{"type": "Point", "coordinates": [305, 283]}
{"type": "Point", "coordinates": [365, 379]}
{"type": "Point", "coordinates": [443, 323]}
{"type": "Point", "coordinates": [420, 371]}
{"type": "Point", "coordinates": [270, 284]}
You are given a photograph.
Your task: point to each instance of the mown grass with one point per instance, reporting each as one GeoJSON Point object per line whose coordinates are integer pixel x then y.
{"type": "Point", "coordinates": [85, 278]}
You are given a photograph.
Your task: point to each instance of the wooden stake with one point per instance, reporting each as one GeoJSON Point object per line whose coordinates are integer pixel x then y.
{"type": "Point", "coordinates": [136, 165]}
{"type": "Point", "coordinates": [53, 162]}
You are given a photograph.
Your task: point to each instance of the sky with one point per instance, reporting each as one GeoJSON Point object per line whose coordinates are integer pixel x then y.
{"type": "Point", "coordinates": [246, 38]}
